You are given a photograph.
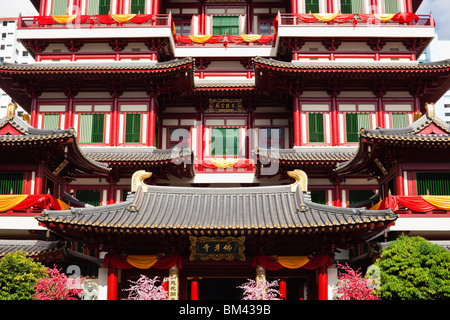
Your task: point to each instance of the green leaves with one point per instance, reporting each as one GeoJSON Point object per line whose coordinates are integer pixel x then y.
{"type": "Point", "coordinates": [414, 269]}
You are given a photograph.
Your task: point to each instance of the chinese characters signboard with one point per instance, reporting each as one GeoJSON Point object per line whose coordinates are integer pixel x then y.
{"type": "Point", "coordinates": [225, 105]}
{"type": "Point", "coordinates": [217, 248]}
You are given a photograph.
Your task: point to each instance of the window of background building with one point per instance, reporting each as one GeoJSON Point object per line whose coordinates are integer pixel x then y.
{"type": "Point", "coordinates": [137, 6]}
{"type": "Point", "coordinates": [91, 128]}
{"type": "Point", "coordinates": [133, 128]}
{"type": "Point", "coordinates": [225, 25]}
{"type": "Point", "coordinates": [354, 122]}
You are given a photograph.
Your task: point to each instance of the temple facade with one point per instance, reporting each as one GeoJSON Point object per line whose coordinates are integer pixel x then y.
{"type": "Point", "coordinates": [216, 141]}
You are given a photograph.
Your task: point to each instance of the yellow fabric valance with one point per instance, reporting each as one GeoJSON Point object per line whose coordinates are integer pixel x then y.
{"type": "Point", "coordinates": [292, 262]}
{"type": "Point", "coordinates": [251, 37]}
{"type": "Point", "coordinates": [325, 17]}
{"type": "Point", "coordinates": [200, 38]}
{"type": "Point", "coordinates": [224, 163]}
{"type": "Point", "coordinates": [64, 19]}
{"type": "Point", "coordinates": [9, 201]}
{"type": "Point", "coordinates": [384, 17]}
{"type": "Point", "coordinates": [142, 261]}
{"type": "Point", "coordinates": [441, 202]}
{"type": "Point", "coordinates": [121, 18]}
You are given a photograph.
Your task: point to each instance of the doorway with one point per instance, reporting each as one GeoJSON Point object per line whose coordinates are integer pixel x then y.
{"type": "Point", "coordinates": [220, 288]}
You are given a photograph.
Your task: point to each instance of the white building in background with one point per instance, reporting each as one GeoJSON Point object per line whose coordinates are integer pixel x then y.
{"type": "Point", "coordinates": [11, 51]}
{"type": "Point", "coordinates": [439, 50]}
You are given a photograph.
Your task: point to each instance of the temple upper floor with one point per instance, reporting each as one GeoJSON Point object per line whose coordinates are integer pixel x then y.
{"type": "Point", "coordinates": [299, 30]}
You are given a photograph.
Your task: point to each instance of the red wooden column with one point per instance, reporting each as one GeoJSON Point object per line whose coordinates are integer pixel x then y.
{"type": "Point", "coordinates": [34, 114]}
{"type": "Point", "coordinates": [43, 8]}
{"type": "Point", "coordinates": [194, 289]}
{"type": "Point", "coordinates": [330, 8]}
{"type": "Point", "coordinates": [322, 282]}
{"type": "Point", "coordinates": [39, 179]}
{"type": "Point", "coordinates": [409, 7]}
{"type": "Point", "coordinates": [112, 283]}
{"type": "Point", "coordinates": [155, 7]}
{"type": "Point", "coordinates": [297, 121]}
{"type": "Point", "coordinates": [294, 6]}
{"type": "Point", "coordinates": [374, 6]}
{"type": "Point", "coordinates": [114, 129]}
{"type": "Point", "coordinates": [152, 121]}
{"type": "Point", "coordinates": [283, 289]}
{"type": "Point", "coordinates": [119, 7]}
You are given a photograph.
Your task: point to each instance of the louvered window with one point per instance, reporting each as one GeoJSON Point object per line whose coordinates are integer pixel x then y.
{"type": "Point", "coordinates": [59, 7]}
{"type": "Point", "coordinates": [225, 25]}
{"type": "Point", "coordinates": [138, 6]}
{"type": "Point", "coordinates": [99, 7]}
{"type": "Point", "coordinates": [352, 6]}
{"type": "Point", "coordinates": [433, 183]}
{"type": "Point", "coordinates": [319, 196]}
{"type": "Point", "coordinates": [91, 128]}
{"type": "Point", "coordinates": [312, 6]}
{"type": "Point", "coordinates": [11, 182]}
{"type": "Point", "coordinates": [51, 121]}
{"type": "Point", "coordinates": [315, 127]}
{"type": "Point", "coordinates": [399, 120]}
{"type": "Point", "coordinates": [225, 141]}
{"type": "Point", "coordinates": [355, 196]}
{"type": "Point", "coordinates": [391, 6]}
{"type": "Point", "coordinates": [354, 122]}
{"type": "Point", "coordinates": [133, 128]}
{"type": "Point", "coordinates": [92, 197]}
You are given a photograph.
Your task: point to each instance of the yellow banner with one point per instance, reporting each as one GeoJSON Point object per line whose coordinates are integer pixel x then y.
{"type": "Point", "coordinates": [9, 201]}
{"type": "Point", "coordinates": [200, 38]}
{"type": "Point", "coordinates": [142, 261]}
{"type": "Point", "coordinates": [292, 262]}
{"type": "Point", "coordinates": [121, 18]}
{"type": "Point", "coordinates": [224, 163]}
{"type": "Point", "coordinates": [64, 19]}
{"type": "Point", "coordinates": [325, 17]}
{"type": "Point", "coordinates": [441, 202]}
{"type": "Point", "coordinates": [383, 17]}
{"type": "Point", "coordinates": [251, 37]}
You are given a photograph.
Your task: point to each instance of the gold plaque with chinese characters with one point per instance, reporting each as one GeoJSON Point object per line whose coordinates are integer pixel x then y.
{"type": "Point", "coordinates": [217, 248]}
{"type": "Point", "coordinates": [225, 106]}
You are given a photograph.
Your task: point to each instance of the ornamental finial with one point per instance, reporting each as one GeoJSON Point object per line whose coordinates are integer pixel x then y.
{"type": "Point", "coordinates": [429, 106]}
{"type": "Point", "coordinates": [138, 180]}
{"type": "Point", "coordinates": [300, 178]}
{"type": "Point", "coordinates": [11, 110]}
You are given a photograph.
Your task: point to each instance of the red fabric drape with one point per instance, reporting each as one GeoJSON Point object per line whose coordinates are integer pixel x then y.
{"type": "Point", "coordinates": [41, 201]}
{"type": "Point", "coordinates": [370, 18]}
{"type": "Point", "coordinates": [105, 19]}
{"type": "Point", "coordinates": [306, 17]}
{"type": "Point", "coordinates": [120, 262]}
{"type": "Point", "coordinates": [270, 264]}
{"type": "Point", "coordinates": [405, 17]}
{"type": "Point", "coordinates": [44, 20]}
{"type": "Point", "coordinates": [187, 39]}
{"type": "Point", "coordinates": [342, 18]}
{"type": "Point", "coordinates": [265, 38]}
{"type": "Point", "coordinates": [141, 18]}
{"type": "Point", "coordinates": [243, 163]}
{"type": "Point", "coordinates": [413, 203]}
{"type": "Point", "coordinates": [81, 19]}
{"type": "Point", "coordinates": [235, 39]}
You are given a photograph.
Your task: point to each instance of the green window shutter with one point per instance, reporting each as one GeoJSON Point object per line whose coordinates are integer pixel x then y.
{"type": "Point", "coordinates": [11, 181]}
{"type": "Point", "coordinates": [434, 183]}
{"type": "Point", "coordinates": [354, 122]}
{"type": "Point", "coordinates": [399, 120]}
{"type": "Point", "coordinates": [312, 6]}
{"type": "Point", "coordinates": [225, 141]}
{"type": "Point", "coordinates": [346, 6]}
{"type": "Point", "coordinates": [225, 24]}
{"type": "Point", "coordinates": [319, 196]}
{"type": "Point", "coordinates": [125, 194]}
{"type": "Point", "coordinates": [91, 128]}
{"type": "Point", "coordinates": [133, 128]}
{"type": "Point", "coordinates": [138, 6]}
{"type": "Point", "coordinates": [51, 121]}
{"type": "Point", "coordinates": [59, 7]}
{"type": "Point", "coordinates": [104, 7]}
{"type": "Point", "coordinates": [357, 6]}
{"type": "Point", "coordinates": [355, 196]}
{"type": "Point", "coordinates": [93, 7]}
{"type": "Point", "coordinates": [92, 197]}
{"type": "Point", "coordinates": [98, 127]}
{"type": "Point", "coordinates": [391, 6]}
{"type": "Point", "coordinates": [315, 126]}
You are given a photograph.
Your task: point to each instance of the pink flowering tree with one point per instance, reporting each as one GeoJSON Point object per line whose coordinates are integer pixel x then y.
{"type": "Point", "coordinates": [146, 289]}
{"type": "Point", "coordinates": [56, 286]}
{"type": "Point", "coordinates": [353, 286]}
{"type": "Point", "coordinates": [260, 290]}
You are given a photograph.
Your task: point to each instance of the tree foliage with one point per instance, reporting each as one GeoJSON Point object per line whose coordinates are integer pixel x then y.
{"type": "Point", "coordinates": [260, 290]}
{"type": "Point", "coordinates": [18, 275]}
{"type": "Point", "coordinates": [413, 268]}
{"type": "Point", "coordinates": [146, 289]}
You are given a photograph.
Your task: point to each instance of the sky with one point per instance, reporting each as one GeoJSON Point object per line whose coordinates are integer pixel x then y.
{"type": "Point", "coordinates": [440, 9]}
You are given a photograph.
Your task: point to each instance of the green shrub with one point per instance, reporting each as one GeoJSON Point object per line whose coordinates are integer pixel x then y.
{"type": "Point", "coordinates": [18, 275]}
{"type": "Point", "coordinates": [413, 268]}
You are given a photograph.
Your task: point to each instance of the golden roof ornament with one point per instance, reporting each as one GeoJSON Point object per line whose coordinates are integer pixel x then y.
{"type": "Point", "coordinates": [138, 180]}
{"type": "Point", "coordinates": [300, 179]}
{"type": "Point", "coordinates": [11, 110]}
{"type": "Point", "coordinates": [429, 106]}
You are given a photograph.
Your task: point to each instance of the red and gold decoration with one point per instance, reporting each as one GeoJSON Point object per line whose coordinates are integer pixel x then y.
{"type": "Point", "coordinates": [22, 202]}
{"type": "Point", "coordinates": [414, 203]}
{"type": "Point", "coordinates": [142, 261]}
{"type": "Point", "coordinates": [217, 248]}
{"type": "Point", "coordinates": [292, 262]}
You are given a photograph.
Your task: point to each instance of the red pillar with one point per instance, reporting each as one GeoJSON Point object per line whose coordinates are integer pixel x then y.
{"type": "Point", "coordinates": [152, 122]}
{"type": "Point", "coordinates": [283, 289]}
{"type": "Point", "coordinates": [114, 129]}
{"type": "Point", "coordinates": [43, 8]}
{"type": "Point", "coordinates": [39, 179]}
{"type": "Point", "coordinates": [155, 9]}
{"type": "Point", "coordinates": [399, 181]}
{"type": "Point", "coordinates": [297, 122]}
{"type": "Point", "coordinates": [409, 7]}
{"type": "Point", "coordinates": [194, 289]}
{"type": "Point", "coordinates": [330, 8]}
{"type": "Point", "coordinates": [112, 283]}
{"type": "Point", "coordinates": [294, 7]}
{"type": "Point", "coordinates": [34, 114]}
{"type": "Point", "coordinates": [323, 283]}
{"type": "Point", "coordinates": [119, 7]}
{"type": "Point", "coordinates": [374, 6]}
